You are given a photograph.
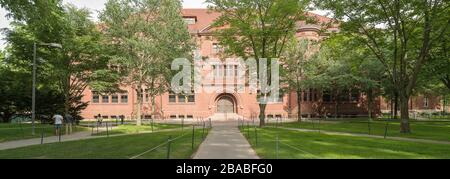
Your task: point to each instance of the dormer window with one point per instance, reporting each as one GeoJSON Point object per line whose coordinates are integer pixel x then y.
{"type": "Point", "coordinates": [190, 20]}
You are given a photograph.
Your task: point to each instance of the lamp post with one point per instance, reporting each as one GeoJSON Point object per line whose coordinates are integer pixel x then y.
{"type": "Point", "coordinates": [33, 105]}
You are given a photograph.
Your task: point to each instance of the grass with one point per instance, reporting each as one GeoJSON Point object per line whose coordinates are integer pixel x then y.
{"type": "Point", "coordinates": [420, 130]}
{"type": "Point", "coordinates": [10, 132]}
{"type": "Point", "coordinates": [134, 129]}
{"type": "Point", "coordinates": [311, 145]}
{"type": "Point", "coordinates": [120, 147]}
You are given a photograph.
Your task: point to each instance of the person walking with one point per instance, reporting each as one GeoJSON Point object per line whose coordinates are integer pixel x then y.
{"type": "Point", "coordinates": [99, 120]}
{"type": "Point", "coordinates": [58, 120]}
{"type": "Point", "coordinates": [69, 123]}
{"type": "Point", "coordinates": [122, 118]}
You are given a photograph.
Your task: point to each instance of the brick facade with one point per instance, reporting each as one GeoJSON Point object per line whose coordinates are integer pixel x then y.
{"type": "Point", "coordinates": [205, 105]}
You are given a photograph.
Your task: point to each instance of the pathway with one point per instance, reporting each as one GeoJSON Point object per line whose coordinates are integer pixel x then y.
{"type": "Point", "coordinates": [64, 138]}
{"type": "Point", "coordinates": [225, 141]}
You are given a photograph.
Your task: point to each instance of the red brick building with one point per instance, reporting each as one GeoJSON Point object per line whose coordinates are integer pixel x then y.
{"type": "Point", "coordinates": [229, 105]}
{"type": "Point", "coordinates": [420, 104]}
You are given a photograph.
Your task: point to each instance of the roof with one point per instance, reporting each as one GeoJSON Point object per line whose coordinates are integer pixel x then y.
{"type": "Point", "coordinates": [206, 17]}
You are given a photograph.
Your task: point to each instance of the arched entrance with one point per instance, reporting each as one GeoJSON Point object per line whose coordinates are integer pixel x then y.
{"type": "Point", "coordinates": [226, 104]}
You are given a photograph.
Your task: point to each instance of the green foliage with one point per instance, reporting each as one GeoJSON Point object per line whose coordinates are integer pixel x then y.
{"type": "Point", "coordinates": [146, 37]}
{"type": "Point", "coordinates": [257, 28]}
{"type": "Point", "coordinates": [435, 77]}
{"type": "Point", "coordinates": [296, 60]}
{"type": "Point", "coordinates": [62, 73]}
{"type": "Point", "coordinates": [400, 34]}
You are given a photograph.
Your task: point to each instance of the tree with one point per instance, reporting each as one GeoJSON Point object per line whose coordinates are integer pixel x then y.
{"type": "Point", "coordinates": [257, 28]}
{"type": "Point", "coordinates": [295, 62]}
{"type": "Point", "coordinates": [147, 36]}
{"type": "Point", "coordinates": [63, 72]}
{"type": "Point", "coordinates": [367, 72]}
{"type": "Point", "coordinates": [399, 33]}
{"type": "Point", "coordinates": [15, 87]}
{"type": "Point", "coordinates": [84, 60]}
{"type": "Point", "coordinates": [337, 78]}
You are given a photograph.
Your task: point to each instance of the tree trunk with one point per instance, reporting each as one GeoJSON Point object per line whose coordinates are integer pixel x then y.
{"type": "Point", "coordinates": [67, 95]}
{"type": "Point", "coordinates": [139, 107]}
{"type": "Point", "coordinates": [396, 106]}
{"type": "Point", "coordinates": [299, 105]}
{"type": "Point", "coordinates": [444, 103]}
{"type": "Point", "coordinates": [336, 105]}
{"type": "Point", "coordinates": [369, 102]}
{"type": "Point", "coordinates": [392, 108]}
{"type": "Point", "coordinates": [153, 107]}
{"type": "Point", "coordinates": [404, 114]}
{"type": "Point", "coordinates": [66, 104]}
{"type": "Point", "coordinates": [262, 114]}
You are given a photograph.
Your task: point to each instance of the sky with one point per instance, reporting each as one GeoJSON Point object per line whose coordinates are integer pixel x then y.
{"type": "Point", "coordinates": [95, 6]}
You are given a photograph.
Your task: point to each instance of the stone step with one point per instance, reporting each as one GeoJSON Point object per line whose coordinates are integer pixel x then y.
{"type": "Point", "coordinates": [225, 117]}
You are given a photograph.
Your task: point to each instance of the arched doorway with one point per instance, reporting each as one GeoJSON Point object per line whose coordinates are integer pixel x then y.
{"type": "Point", "coordinates": [226, 104]}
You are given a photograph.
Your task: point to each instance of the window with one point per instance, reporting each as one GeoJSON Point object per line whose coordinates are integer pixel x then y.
{"type": "Point", "coordinates": [172, 98]}
{"type": "Point", "coordinates": [305, 96]}
{"type": "Point", "coordinates": [344, 96]}
{"type": "Point", "coordinates": [191, 98]}
{"type": "Point", "coordinates": [141, 95]}
{"type": "Point", "coordinates": [326, 96]}
{"type": "Point", "coordinates": [115, 98]}
{"type": "Point", "coordinates": [315, 95]}
{"type": "Point", "coordinates": [181, 98]}
{"type": "Point", "coordinates": [124, 98]}
{"type": "Point", "coordinates": [225, 69]}
{"type": "Point", "coordinates": [425, 102]}
{"type": "Point", "coordinates": [173, 117]}
{"type": "Point", "coordinates": [278, 100]}
{"type": "Point", "coordinates": [310, 95]}
{"type": "Point", "coordinates": [218, 70]}
{"type": "Point", "coordinates": [105, 99]}
{"type": "Point", "coordinates": [355, 96]}
{"type": "Point", "coordinates": [229, 70]}
{"type": "Point", "coordinates": [190, 20]}
{"type": "Point", "coordinates": [236, 70]}
{"type": "Point", "coordinates": [221, 67]}
{"type": "Point", "coordinates": [95, 97]}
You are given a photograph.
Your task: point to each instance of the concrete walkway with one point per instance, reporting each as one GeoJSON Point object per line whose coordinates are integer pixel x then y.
{"type": "Point", "coordinates": [371, 136]}
{"type": "Point", "coordinates": [65, 138]}
{"type": "Point", "coordinates": [225, 141]}
{"type": "Point", "coordinates": [36, 141]}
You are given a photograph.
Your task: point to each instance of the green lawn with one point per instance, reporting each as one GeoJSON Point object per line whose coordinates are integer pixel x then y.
{"type": "Point", "coordinates": [132, 128]}
{"type": "Point", "coordinates": [311, 145]}
{"type": "Point", "coordinates": [121, 147]}
{"type": "Point", "coordinates": [420, 130]}
{"type": "Point", "coordinates": [9, 132]}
